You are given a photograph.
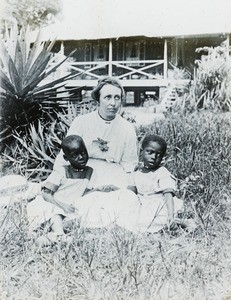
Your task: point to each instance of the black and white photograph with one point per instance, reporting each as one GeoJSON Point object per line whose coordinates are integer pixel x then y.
{"type": "Point", "coordinates": [115, 138]}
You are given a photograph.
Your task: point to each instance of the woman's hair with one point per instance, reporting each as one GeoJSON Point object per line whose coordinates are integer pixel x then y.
{"type": "Point", "coordinates": [103, 81]}
{"type": "Point", "coordinates": [65, 145]}
{"type": "Point", "coordinates": [154, 138]}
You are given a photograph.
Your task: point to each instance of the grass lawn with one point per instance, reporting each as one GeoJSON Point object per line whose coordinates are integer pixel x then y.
{"type": "Point", "coordinates": [116, 264]}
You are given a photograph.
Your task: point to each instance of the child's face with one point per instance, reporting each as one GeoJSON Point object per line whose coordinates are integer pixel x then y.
{"type": "Point", "coordinates": [152, 155]}
{"type": "Point", "coordinates": [77, 155]}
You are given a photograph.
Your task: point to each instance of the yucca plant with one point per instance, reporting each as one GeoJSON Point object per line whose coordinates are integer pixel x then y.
{"type": "Point", "coordinates": [23, 67]}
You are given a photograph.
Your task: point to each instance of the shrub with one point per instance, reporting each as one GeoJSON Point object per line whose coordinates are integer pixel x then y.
{"type": "Point", "coordinates": [211, 85]}
{"type": "Point", "coordinates": [32, 153]}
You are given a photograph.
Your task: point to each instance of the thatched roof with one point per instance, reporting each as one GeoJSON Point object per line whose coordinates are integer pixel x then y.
{"type": "Point", "coordinates": [97, 19]}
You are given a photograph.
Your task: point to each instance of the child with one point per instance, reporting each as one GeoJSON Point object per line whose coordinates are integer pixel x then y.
{"type": "Point", "coordinates": [62, 188]}
{"type": "Point", "coordinates": [154, 186]}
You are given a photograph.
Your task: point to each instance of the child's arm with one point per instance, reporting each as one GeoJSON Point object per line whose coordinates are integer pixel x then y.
{"type": "Point", "coordinates": [131, 182]}
{"type": "Point", "coordinates": [170, 207]}
{"type": "Point", "coordinates": [51, 185]}
{"type": "Point", "coordinates": [48, 196]}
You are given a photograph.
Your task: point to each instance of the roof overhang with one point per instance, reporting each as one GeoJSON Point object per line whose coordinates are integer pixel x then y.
{"type": "Point", "coordinates": [103, 19]}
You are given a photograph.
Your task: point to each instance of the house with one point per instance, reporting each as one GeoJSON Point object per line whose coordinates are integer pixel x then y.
{"type": "Point", "coordinates": [149, 47]}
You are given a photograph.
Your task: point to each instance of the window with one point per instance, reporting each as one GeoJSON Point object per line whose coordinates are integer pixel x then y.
{"type": "Point", "coordinates": [100, 52]}
{"type": "Point", "coordinates": [130, 97]}
{"type": "Point", "coordinates": [135, 51]}
{"type": "Point", "coordinates": [87, 55]}
{"type": "Point", "coordinates": [120, 51]}
{"type": "Point", "coordinates": [142, 50]}
{"type": "Point", "coordinates": [87, 52]}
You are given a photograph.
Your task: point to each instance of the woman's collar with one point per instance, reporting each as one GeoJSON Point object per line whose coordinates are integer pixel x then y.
{"type": "Point", "coordinates": [105, 120]}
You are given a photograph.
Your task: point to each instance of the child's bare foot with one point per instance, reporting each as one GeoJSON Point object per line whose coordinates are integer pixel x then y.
{"type": "Point", "coordinates": [188, 224]}
{"type": "Point", "coordinates": [43, 241]}
{"type": "Point", "coordinates": [52, 238]}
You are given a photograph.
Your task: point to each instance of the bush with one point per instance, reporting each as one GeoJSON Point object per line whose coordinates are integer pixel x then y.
{"type": "Point", "coordinates": [211, 85]}
{"type": "Point", "coordinates": [32, 152]}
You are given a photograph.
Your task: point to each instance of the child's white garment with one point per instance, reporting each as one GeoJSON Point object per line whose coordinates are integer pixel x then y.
{"type": "Point", "coordinates": [151, 187]}
{"type": "Point", "coordinates": [67, 186]}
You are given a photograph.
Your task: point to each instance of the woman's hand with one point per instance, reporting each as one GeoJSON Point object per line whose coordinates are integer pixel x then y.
{"type": "Point", "coordinates": [106, 188]}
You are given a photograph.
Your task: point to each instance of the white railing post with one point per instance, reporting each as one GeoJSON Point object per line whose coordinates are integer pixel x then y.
{"type": "Point", "coordinates": [62, 49]}
{"type": "Point", "coordinates": [110, 59]}
{"type": "Point", "coordinates": [165, 60]}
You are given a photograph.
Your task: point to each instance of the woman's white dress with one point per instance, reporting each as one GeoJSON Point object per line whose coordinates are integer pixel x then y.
{"type": "Point", "coordinates": [117, 137]}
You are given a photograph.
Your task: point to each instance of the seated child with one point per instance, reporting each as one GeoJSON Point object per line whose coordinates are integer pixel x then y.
{"type": "Point", "coordinates": [62, 188]}
{"type": "Point", "coordinates": [155, 187]}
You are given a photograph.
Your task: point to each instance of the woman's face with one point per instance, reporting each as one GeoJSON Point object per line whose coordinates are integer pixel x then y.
{"type": "Point", "coordinates": [110, 100]}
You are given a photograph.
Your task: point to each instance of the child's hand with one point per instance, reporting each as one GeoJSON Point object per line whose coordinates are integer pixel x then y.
{"type": "Point", "coordinates": [171, 226]}
{"type": "Point", "coordinates": [170, 220]}
{"type": "Point", "coordinates": [111, 187]}
{"type": "Point", "coordinates": [68, 208]}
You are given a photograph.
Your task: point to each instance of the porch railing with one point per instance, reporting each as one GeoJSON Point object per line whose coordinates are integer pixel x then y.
{"type": "Point", "coordinates": [124, 69]}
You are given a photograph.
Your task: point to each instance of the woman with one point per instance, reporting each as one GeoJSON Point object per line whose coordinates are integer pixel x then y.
{"type": "Point", "coordinates": [110, 140]}
{"type": "Point", "coordinates": [112, 149]}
